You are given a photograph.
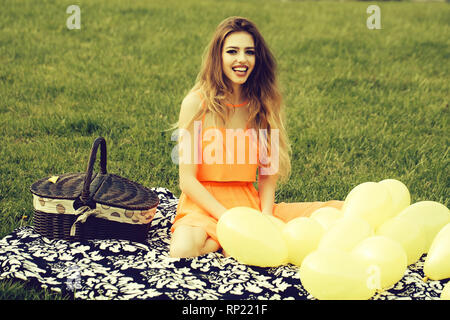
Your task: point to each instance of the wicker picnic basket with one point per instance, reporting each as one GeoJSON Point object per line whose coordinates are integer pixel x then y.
{"type": "Point", "coordinates": [81, 206]}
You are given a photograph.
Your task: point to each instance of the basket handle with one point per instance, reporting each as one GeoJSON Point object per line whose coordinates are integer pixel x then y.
{"type": "Point", "coordinates": [85, 194]}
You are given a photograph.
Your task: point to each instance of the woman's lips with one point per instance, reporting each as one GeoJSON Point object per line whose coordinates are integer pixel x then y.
{"type": "Point", "coordinates": [240, 71]}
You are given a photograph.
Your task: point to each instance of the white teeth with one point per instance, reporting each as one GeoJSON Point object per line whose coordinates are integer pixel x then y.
{"type": "Point", "coordinates": [242, 69]}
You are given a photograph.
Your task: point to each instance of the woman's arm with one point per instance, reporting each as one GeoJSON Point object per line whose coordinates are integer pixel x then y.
{"type": "Point", "coordinates": [267, 185]}
{"type": "Point", "coordinates": [200, 195]}
{"type": "Point", "coordinates": [189, 183]}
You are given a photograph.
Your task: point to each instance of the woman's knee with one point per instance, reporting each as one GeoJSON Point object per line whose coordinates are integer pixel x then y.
{"type": "Point", "coordinates": [187, 242]}
{"type": "Point", "coordinates": [183, 250]}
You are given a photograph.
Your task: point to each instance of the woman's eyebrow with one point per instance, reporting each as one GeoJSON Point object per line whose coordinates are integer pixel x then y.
{"type": "Point", "coordinates": [233, 47]}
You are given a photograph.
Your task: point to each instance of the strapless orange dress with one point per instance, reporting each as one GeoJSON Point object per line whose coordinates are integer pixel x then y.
{"type": "Point", "coordinates": [231, 183]}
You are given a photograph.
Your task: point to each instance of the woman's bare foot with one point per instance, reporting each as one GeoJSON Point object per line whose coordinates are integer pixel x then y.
{"type": "Point", "coordinates": [225, 254]}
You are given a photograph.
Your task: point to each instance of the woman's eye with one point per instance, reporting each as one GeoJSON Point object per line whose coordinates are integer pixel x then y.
{"type": "Point", "coordinates": [249, 52]}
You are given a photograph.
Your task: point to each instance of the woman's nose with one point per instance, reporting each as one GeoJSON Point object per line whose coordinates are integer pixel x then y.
{"type": "Point", "coordinates": [242, 57]}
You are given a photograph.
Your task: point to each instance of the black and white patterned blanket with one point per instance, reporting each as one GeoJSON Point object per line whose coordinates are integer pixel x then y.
{"type": "Point", "coordinates": [118, 269]}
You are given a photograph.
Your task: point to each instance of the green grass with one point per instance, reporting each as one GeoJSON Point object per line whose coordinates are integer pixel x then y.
{"type": "Point", "coordinates": [362, 105]}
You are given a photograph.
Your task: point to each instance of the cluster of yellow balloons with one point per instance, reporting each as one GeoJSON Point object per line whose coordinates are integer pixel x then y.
{"type": "Point", "coordinates": [350, 253]}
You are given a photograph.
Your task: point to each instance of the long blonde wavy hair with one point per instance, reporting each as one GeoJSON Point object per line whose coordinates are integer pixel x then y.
{"type": "Point", "coordinates": [265, 103]}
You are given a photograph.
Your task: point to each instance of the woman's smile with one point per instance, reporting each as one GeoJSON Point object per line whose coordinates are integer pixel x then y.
{"type": "Point", "coordinates": [240, 71]}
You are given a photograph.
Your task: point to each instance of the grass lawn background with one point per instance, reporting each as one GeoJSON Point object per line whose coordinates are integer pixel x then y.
{"type": "Point", "coordinates": [362, 105]}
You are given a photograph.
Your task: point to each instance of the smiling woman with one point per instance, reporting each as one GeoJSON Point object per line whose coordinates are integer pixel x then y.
{"type": "Point", "coordinates": [357, 111]}
{"type": "Point", "coordinates": [236, 87]}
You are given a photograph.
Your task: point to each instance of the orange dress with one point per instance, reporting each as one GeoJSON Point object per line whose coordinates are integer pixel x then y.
{"type": "Point", "coordinates": [231, 183]}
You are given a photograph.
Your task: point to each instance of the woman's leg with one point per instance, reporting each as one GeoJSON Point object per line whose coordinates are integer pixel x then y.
{"type": "Point", "coordinates": [287, 211]}
{"type": "Point", "coordinates": [210, 246]}
{"type": "Point", "coordinates": [189, 241]}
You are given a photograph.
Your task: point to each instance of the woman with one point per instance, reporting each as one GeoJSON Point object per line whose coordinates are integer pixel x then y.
{"type": "Point", "coordinates": [237, 96]}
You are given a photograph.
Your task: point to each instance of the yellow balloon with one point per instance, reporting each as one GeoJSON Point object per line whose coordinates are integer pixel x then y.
{"type": "Point", "coordinates": [437, 262]}
{"type": "Point", "coordinates": [302, 236]}
{"type": "Point", "coordinates": [370, 201]}
{"type": "Point", "coordinates": [251, 238]}
{"type": "Point", "coordinates": [326, 216]}
{"type": "Point", "coordinates": [330, 274]}
{"type": "Point", "coordinates": [346, 233]}
{"type": "Point", "coordinates": [408, 234]}
{"type": "Point", "coordinates": [385, 254]}
{"type": "Point", "coordinates": [277, 222]}
{"type": "Point", "coordinates": [445, 293]}
{"type": "Point", "coordinates": [430, 215]}
{"type": "Point", "coordinates": [400, 195]}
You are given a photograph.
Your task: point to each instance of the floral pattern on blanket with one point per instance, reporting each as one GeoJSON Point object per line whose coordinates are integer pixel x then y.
{"type": "Point", "coordinates": [119, 269]}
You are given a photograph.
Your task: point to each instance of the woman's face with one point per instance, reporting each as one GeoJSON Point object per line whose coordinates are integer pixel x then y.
{"type": "Point", "coordinates": [238, 56]}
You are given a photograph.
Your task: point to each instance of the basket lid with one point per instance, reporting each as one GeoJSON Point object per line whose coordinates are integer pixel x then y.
{"type": "Point", "coordinates": [109, 189]}
{"type": "Point", "coordinates": [64, 186]}
{"type": "Point", "coordinates": [120, 192]}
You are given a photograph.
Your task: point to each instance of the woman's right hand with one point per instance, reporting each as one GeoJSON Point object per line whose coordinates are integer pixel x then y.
{"type": "Point", "coordinates": [220, 212]}
{"type": "Point", "coordinates": [200, 195]}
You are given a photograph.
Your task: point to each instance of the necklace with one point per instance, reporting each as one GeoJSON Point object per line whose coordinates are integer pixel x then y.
{"type": "Point", "coordinates": [237, 105]}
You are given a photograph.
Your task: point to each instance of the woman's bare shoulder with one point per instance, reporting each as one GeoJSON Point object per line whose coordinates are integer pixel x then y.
{"type": "Point", "coordinates": [189, 107]}
{"type": "Point", "coordinates": [191, 102]}
{"type": "Point", "coordinates": [192, 98]}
